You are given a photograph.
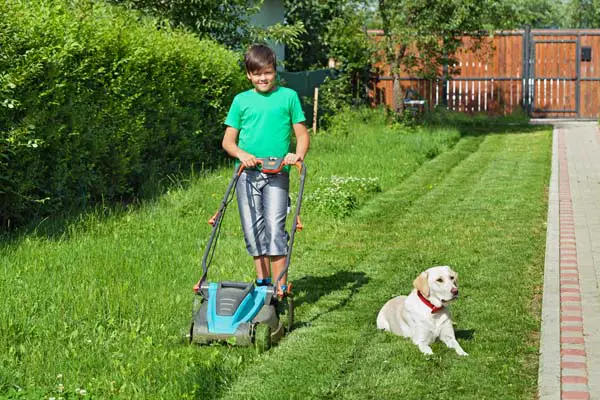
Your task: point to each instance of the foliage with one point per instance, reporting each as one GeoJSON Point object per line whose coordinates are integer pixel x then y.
{"type": "Point", "coordinates": [97, 105]}
{"type": "Point", "coordinates": [290, 35]}
{"type": "Point", "coordinates": [505, 14]}
{"type": "Point", "coordinates": [422, 37]}
{"type": "Point", "coordinates": [582, 14]}
{"type": "Point", "coordinates": [337, 95]}
{"type": "Point", "coordinates": [336, 33]}
{"type": "Point", "coordinates": [536, 13]}
{"type": "Point", "coordinates": [352, 51]}
{"type": "Point", "coordinates": [345, 121]}
{"type": "Point", "coordinates": [224, 21]}
{"type": "Point", "coordinates": [338, 196]}
{"type": "Point", "coordinates": [228, 22]}
{"type": "Point", "coordinates": [316, 15]}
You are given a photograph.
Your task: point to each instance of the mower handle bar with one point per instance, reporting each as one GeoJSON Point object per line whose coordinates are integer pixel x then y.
{"type": "Point", "coordinates": [273, 165]}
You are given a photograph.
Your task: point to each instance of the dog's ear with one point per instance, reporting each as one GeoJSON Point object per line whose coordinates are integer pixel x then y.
{"type": "Point", "coordinates": [422, 284]}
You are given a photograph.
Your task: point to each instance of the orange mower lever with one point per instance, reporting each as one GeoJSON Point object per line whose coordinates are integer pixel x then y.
{"type": "Point", "coordinates": [213, 219]}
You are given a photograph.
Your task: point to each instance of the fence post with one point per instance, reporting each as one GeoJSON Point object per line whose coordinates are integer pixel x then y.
{"type": "Point", "coordinates": [526, 68]}
{"type": "Point", "coordinates": [315, 110]}
{"type": "Point", "coordinates": [445, 85]}
{"type": "Point", "coordinates": [578, 72]}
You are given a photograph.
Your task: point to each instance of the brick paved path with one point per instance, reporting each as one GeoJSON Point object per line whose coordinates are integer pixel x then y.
{"type": "Point", "coordinates": [570, 340]}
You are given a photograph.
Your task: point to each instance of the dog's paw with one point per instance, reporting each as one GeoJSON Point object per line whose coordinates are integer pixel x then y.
{"type": "Point", "coordinates": [461, 352]}
{"type": "Point", "coordinates": [426, 350]}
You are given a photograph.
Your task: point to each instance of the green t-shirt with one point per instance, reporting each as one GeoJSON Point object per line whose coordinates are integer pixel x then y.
{"type": "Point", "coordinates": [264, 120]}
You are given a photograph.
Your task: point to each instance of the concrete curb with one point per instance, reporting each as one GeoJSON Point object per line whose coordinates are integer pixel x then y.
{"type": "Point", "coordinates": [549, 368]}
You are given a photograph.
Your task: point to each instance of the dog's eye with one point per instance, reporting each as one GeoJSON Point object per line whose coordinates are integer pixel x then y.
{"type": "Point", "coordinates": [440, 280]}
{"type": "Point", "coordinates": [452, 277]}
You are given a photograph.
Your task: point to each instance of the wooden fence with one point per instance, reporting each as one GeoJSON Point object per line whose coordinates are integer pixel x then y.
{"type": "Point", "coordinates": [547, 73]}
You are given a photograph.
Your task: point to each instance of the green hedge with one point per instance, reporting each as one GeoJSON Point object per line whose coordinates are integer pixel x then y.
{"type": "Point", "coordinates": [97, 102]}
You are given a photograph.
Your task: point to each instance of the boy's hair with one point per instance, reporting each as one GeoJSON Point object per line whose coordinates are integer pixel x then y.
{"type": "Point", "coordinates": [258, 57]}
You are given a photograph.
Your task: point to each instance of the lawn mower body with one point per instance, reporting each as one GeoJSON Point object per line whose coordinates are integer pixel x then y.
{"type": "Point", "coordinates": [230, 311]}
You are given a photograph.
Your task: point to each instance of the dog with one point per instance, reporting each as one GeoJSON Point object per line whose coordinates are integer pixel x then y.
{"type": "Point", "coordinates": [423, 315]}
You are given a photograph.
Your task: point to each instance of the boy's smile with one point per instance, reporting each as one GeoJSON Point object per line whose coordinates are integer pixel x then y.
{"type": "Point", "coordinates": [263, 79]}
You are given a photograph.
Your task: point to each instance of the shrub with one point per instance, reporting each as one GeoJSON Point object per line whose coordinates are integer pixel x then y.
{"type": "Point", "coordinates": [340, 195]}
{"type": "Point", "coordinates": [348, 118]}
{"type": "Point", "coordinates": [98, 103]}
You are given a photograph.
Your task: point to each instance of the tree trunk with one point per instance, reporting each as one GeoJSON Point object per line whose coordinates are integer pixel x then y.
{"type": "Point", "coordinates": [393, 56]}
{"type": "Point", "coordinates": [398, 93]}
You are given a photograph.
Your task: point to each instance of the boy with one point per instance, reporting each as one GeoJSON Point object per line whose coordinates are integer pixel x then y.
{"type": "Point", "coordinates": [259, 125]}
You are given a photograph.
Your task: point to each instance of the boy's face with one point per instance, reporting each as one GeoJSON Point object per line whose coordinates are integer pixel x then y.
{"type": "Point", "coordinates": [263, 79]}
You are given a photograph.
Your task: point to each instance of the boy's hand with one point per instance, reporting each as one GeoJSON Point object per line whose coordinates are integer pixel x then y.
{"type": "Point", "coordinates": [247, 160]}
{"type": "Point", "coordinates": [292, 158]}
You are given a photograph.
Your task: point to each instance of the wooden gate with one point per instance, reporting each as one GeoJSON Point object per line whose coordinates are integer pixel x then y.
{"type": "Point", "coordinates": [547, 73]}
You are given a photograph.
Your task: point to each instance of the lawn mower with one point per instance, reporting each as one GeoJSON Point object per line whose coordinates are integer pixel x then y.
{"type": "Point", "coordinates": [243, 313]}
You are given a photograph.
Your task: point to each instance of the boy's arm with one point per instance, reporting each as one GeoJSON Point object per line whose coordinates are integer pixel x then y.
{"type": "Point", "coordinates": [302, 144]}
{"type": "Point", "coordinates": [230, 146]}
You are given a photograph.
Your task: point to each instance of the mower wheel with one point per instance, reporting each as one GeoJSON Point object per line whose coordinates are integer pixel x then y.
{"type": "Point", "coordinates": [186, 337]}
{"type": "Point", "coordinates": [262, 338]}
{"type": "Point", "coordinates": [285, 311]}
{"type": "Point", "coordinates": [290, 313]}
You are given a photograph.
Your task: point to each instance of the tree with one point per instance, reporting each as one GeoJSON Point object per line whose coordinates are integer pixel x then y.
{"type": "Point", "coordinates": [351, 49]}
{"type": "Point", "coordinates": [224, 21]}
{"type": "Point", "coordinates": [419, 36]}
{"type": "Point", "coordinates": [582, 14]}
{"type": "Point", "coordinates": [227, 22]}
{"type": "Point", "coordinates": [515, 14]}
{"type": "Point", "coordinates": [316, 15]}
{"type": "Point", "coordinates": [336, 32]}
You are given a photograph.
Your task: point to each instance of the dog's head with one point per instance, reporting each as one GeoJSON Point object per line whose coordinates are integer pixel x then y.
{"type": "Point", "coordinates": [438, 283]}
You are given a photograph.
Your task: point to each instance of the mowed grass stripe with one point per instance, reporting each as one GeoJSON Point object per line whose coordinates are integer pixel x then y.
{"type": "Point", "coordinates": [342, 356]}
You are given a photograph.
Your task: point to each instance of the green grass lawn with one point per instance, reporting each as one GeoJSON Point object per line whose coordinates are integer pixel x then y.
{"type": "Point", "coordinates": [100, 303]}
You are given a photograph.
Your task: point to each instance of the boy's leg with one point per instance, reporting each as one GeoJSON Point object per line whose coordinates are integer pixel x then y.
{"type": "Point", "coordinates": [275, 206]}
{"type": "Point", "coordinates": [248, 192]}
{"type": "Point", "coordinates": [277, 265]}
{"type": "Point", "coordinates": [262, 266]}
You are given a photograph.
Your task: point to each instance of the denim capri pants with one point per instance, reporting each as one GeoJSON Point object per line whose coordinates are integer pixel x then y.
{"type": "Point", "coordinates": [263, 201]}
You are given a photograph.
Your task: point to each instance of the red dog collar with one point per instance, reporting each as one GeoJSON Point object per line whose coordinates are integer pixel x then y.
{"type": "Point", "coordinates": [433, 308]}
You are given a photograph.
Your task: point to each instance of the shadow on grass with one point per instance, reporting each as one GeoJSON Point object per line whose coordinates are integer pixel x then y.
{"type": "Point", "coordinates": [64, 222]}
{"type": "Point", "coordinates": [477, 126]}
{"type": "Point", "coordinates": [312, 288]}
{"type": "Point", "coordinates": [495, 129]}
{"type": "Point", "coordinates": [466, 334]}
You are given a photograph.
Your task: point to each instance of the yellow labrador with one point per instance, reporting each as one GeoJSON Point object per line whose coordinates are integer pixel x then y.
{"type": "Point", "coordinates": [423, 316]}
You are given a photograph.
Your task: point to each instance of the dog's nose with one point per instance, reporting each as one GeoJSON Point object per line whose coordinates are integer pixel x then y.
{"type": "Point", "coordinates": [454, 291]}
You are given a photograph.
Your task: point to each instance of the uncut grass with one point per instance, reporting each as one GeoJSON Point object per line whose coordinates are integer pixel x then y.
{"type": "Point", "coordinates": [100, 304]}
